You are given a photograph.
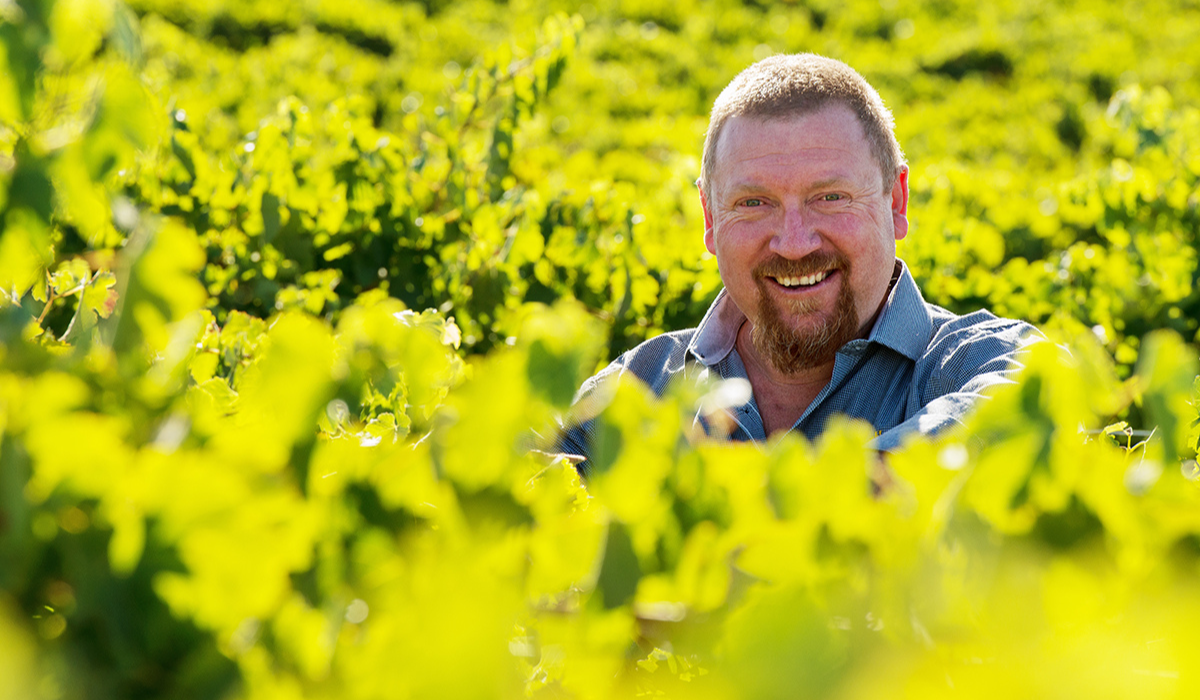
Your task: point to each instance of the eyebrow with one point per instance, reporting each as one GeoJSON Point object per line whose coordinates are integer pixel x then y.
{"type": "Point", "coordinates": [828, 182]}
{"type": "Point", "coordinates": [750, 186]}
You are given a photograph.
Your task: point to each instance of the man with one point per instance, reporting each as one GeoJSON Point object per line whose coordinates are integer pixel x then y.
{"type": "Point", "coordinates": [805, 193]}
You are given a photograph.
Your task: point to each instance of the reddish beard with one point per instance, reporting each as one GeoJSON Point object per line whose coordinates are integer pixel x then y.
{"type": "Point", "coordinates": [790, 349]}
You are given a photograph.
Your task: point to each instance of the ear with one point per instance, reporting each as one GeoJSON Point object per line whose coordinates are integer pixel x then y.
{"type": "Point", "coordinates": [900, 203]}
{"type": "Point", "coordinates": [709, 243]}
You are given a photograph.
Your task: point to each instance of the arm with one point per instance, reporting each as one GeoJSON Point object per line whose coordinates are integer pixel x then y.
{"type": "Point", "coordinates": [964, 366]}
{"type": "Point", "coordinates": [655, 362]}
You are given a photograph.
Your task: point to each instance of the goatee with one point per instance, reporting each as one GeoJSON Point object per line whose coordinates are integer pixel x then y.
{"type": "Point", "coordinates": [790, 349]}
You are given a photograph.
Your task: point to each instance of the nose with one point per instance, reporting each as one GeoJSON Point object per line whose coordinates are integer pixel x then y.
{"type": "Point", "coordinates": [796, 236]}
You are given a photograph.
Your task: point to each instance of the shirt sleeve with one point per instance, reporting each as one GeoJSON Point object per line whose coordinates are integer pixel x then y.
{"type": "Point", "coordinates": [575, 435]}
{"type": "Point", "coordinates": [965, 366]}
{"type": "Point", "coordinates": [574, 441]}
{"type": "Point", "coordinates": [655, 362]}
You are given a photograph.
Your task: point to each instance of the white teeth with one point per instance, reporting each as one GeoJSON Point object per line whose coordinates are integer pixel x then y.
{"type": "Point", "coordinates": [806, 281]}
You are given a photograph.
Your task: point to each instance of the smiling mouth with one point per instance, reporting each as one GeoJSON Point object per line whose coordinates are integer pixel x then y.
{"type": "Point", "coordinates": [802, 281]}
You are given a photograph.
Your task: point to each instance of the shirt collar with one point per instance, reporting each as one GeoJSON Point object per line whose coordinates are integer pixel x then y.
{"type": "Point", "coordinates": [904, 324]}
{"type": "Point", "coordinates": [717, 332]}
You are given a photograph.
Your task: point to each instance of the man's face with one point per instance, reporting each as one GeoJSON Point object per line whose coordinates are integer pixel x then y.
{"type": "Point", "coordinates": [804, 233]}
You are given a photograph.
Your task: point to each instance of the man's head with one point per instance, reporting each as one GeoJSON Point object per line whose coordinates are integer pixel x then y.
{"type": "Point", "coordinates": [790, 85]}
{"type": "Point", "coordinates": [805, 195]}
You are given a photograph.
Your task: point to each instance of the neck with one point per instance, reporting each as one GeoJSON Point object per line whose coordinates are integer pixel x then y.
{"type": "Point", "coordinates": [756, 363]}
{"type": "Point", "coordinates": [781, 397]}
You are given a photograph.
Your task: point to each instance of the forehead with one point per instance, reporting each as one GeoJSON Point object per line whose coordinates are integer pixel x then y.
{"type": "Point", "coordinates": [828, 139]}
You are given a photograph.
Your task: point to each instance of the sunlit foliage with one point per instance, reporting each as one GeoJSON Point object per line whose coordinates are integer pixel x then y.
{"type": "Point", "coordinates": [292, 293]}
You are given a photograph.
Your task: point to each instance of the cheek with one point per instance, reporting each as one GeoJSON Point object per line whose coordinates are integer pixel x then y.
{"type": "Point", "coordinates": [741, 235]}
{"type": "Point", "coordinates": [728, 245]}
{"type": "Point", "coordinates": [866, 235]}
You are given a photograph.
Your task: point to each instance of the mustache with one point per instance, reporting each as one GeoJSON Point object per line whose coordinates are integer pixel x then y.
{"type": "Point", "coordinates": [810, 264]}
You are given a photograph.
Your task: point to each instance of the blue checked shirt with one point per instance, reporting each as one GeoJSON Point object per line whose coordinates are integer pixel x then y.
{"type": "Point", "coordinates": [920, 371]}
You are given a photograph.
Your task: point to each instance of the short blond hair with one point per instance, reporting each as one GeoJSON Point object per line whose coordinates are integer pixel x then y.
{"type": "Point", "coordinates": [791, 85]}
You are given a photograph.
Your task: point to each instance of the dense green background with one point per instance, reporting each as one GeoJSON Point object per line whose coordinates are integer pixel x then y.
{"type": "Point", "coordinates": [239, 458]}
{"type": "Point", "coordinates": [1052, 175]}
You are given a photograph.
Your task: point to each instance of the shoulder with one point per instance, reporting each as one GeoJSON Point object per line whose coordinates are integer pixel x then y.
{"type": "Point", "coordinates": [654, 361]}
{"type": "Point", "coordinates": [965, 346]}
{"type": "Point", "coordinates": [950, 329]}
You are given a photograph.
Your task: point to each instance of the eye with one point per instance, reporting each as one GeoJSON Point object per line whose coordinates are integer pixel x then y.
{"type": "Point", "coordinates": [832, 197]}
{"type": "Point", "coordinates": [752, 202]}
